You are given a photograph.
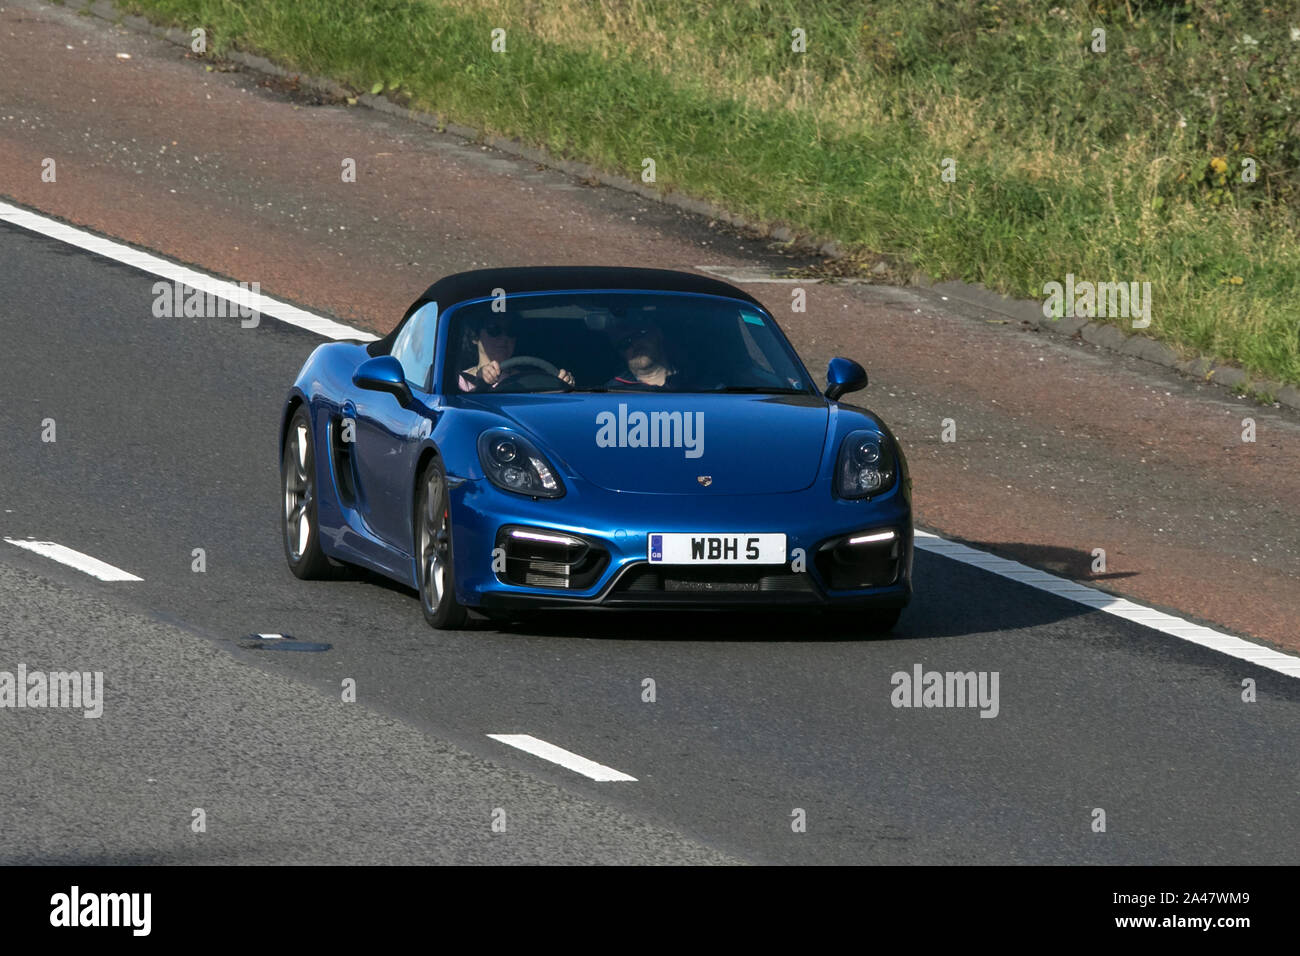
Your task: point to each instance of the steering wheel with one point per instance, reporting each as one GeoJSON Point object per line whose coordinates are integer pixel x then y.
{"type": "Point", "coordinates": [537, 374]}
{"type": "Point", "coordinates": [532, 360]}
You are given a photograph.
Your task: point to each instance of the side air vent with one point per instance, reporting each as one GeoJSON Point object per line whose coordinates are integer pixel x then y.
{"type": "Point", "coordinates": [344, 463]}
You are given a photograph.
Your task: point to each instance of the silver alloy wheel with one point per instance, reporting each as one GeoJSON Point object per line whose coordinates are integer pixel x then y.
{"type": "Point", "coordinates": [299, 491]}
{"type": "Point", "coordinates": [433, 545]}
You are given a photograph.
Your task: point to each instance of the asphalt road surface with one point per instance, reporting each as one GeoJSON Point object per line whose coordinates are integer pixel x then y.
{"type": "Point", "coordinates": [1062, 447]}
{"type": "Point", "coordinates": [166, 441]}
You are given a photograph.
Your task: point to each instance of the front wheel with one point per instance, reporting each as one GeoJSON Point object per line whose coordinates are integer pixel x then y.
{"type": "Point", "coordinates": [300, 529]}
{"type": "Point", "coordinates": [434, 570]}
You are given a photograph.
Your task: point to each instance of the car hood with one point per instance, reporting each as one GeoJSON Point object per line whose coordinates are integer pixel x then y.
{"type": "Point", "coordinates": [740, 444]}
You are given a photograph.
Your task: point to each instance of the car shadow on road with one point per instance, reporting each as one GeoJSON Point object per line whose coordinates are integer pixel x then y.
{"type": "Point", "coordinates": [1067, 562]}
{"type": "Point", "coordinates": [950, 600]}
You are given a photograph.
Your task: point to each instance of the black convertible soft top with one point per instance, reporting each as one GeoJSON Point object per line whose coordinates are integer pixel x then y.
{"type": "Point", "coordinates": [480, 283]}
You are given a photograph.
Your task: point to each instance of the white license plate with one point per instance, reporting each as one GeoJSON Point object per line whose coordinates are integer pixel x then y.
{"type": "Point", "coordinates": [716, 548]}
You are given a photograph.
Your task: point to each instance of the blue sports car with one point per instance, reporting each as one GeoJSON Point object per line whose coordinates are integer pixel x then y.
{"type": "Point", "coordinates": [594, 437]}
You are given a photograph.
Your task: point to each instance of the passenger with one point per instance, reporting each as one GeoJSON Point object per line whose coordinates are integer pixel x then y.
{"type": "Point", "coordinates": [641, 344]}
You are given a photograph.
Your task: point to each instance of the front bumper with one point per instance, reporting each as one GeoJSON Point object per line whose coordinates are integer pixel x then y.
{"type": "Point", "coordinates": [611, 569]}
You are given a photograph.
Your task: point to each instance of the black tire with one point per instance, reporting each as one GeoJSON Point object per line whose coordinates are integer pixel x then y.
{"type": "Point", "coordinates": [434, 571]}
{"type": "Point", "coordinates": [299, 525]}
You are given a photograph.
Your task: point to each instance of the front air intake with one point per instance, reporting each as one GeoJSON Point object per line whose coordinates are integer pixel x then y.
{"type": "Point", "coordinates": [861, 560]}
{"type": "Point", "coordinates": [538, 558]}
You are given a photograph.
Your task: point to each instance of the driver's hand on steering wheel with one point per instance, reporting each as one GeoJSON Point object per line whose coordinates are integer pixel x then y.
{"type": "Point", "coordinates": [491, 375]}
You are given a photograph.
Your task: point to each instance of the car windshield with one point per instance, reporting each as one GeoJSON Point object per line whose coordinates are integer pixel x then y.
{"type": "Point", "coordinates": [618, 341]}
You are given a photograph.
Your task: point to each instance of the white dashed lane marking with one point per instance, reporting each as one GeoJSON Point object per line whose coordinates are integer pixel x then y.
{"type": "Point", "coordinates": [75, 559]}
{"type": "Point", "coordinates": [567, 759]}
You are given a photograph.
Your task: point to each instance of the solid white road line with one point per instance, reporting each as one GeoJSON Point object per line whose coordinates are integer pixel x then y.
{"type": "Point", "coordinates": [118, 252]}
{"type": "Point", "coordinates": [1165, 623]}
{"type": "Point", "coordinates": [1120, 607]}
{"type": "Point", "coordinates": [570, 761]}
{"type": "Point", "coordinates": [75, 559]}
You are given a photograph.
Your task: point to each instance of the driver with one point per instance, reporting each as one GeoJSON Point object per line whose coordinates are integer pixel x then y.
{"type": "Point", "coordinates": [495, 340]}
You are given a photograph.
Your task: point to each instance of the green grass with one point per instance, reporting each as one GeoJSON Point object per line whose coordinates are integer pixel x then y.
{"type": "Point", "coordinates": [1068, 161]}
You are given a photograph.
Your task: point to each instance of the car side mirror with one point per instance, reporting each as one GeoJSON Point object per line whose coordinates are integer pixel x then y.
{"type": "Point", "coordinates": [844, 376]}
{"type": "Point", "coordinates": [383, 373]}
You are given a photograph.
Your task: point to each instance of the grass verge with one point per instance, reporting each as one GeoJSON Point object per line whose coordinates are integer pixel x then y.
{"type": "Point", "coordinates": [1171, 157]}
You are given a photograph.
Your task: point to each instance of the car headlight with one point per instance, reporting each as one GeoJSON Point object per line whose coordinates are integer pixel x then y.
{"type": "Point", "coordinates": [866, 466]}
{"type": "Point", "coordinates": [513, 463]}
